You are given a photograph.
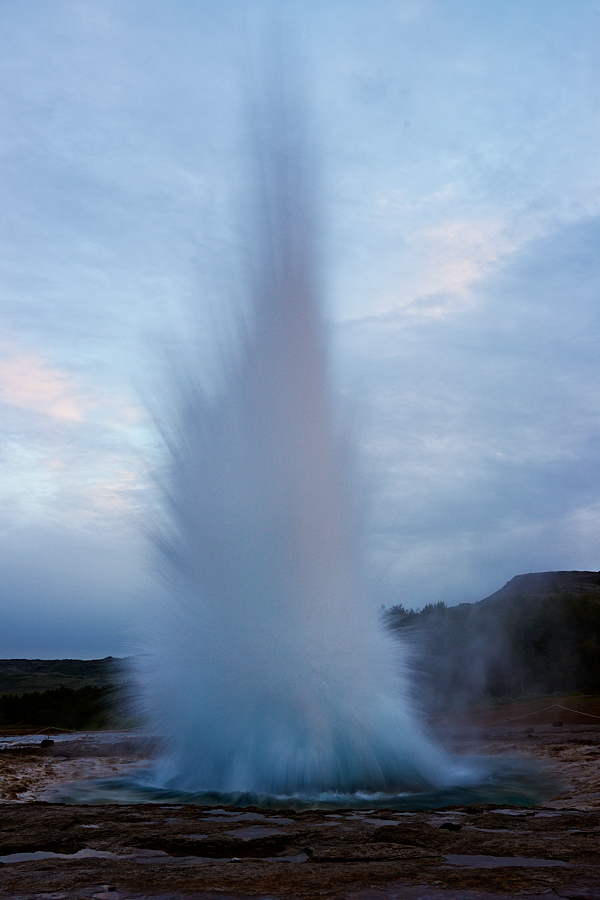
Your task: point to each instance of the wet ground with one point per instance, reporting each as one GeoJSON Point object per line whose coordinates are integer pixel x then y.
{"type": "Point", "coordinates": [51, 851]}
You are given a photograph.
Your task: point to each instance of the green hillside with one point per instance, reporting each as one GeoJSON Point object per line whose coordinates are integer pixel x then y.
{"type": "Point", "coordinates": [23, 676]}
{"type": "Point", "coordinates": [538, 635]}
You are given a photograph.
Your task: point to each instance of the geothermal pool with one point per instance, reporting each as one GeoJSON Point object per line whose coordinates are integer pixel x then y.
{"type": "Point", "coordinates": [27, 773]}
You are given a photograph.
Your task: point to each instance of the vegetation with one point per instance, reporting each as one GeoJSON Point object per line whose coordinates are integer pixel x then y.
{"type": "Point", "coordinates": [19, 676]}
{"type": "Point", "coordinates": [68, 708]}
{"type": "Point", "coordinates": [538, 635]}
{"type": "Point", "coordinates": [532, 637]}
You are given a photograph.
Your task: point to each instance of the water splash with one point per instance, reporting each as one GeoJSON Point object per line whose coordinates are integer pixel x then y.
{"type": "Point", "coordinates": [270, 677]}
{"type": "Point", "coordinates": [275, 676]}
{"type": "Point", "coordinates": [500, 782]}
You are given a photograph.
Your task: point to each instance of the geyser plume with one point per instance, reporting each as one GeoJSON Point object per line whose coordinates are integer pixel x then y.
{"type": "Point", "coordinates": [275, 676]}
{"type": "Point", "coordinates": [270, 677]}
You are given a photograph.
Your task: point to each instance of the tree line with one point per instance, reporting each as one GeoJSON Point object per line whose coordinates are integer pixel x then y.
{"type": "Point", "coordinates": [69, 708]}
{"type": "Point", "coordinates": [514, 647]}
{"type": "Point", "coordinates": [522, 644]}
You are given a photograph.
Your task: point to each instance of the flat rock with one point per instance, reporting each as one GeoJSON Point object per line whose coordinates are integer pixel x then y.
{"type": "Point", "coordinates": [140, 852]}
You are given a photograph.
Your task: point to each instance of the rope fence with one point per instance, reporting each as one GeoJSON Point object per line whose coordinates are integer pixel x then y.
{"type": "Point", "coordinates": [46, 730]}
{"type": "Point", "coordinates": [50, 728]}
{"type": "Point", "coordinates": [577, 712]}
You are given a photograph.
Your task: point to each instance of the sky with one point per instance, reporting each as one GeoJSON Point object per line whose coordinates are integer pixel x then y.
{"type": "Point", "coordinates": [459, 192]}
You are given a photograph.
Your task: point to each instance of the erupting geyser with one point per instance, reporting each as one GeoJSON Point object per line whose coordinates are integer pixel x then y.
{"type": "Point", "coordinates": [275, 676]}
{"type": "Point", "coordinates": [270, 677]}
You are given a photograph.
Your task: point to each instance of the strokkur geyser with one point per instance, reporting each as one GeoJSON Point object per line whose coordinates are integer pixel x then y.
{"type": "Point", "coordinates": [274, 676]}
{"type": "Point", "coordinates": [269, 677]}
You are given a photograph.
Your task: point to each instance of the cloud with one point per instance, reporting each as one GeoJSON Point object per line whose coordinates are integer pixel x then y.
{"type": "Point", "coordinates": [67, 593]}
{"type": "Point", "coordinates": [72, 450]}
{"type": "Point", "coordinates": [482, 429]}
{"type": "Point", "coordinates": [453, 137]}
{"type": "Point", "coordinates": [452, 257]}
{"type": "Point", "coordinates": [29, 382]}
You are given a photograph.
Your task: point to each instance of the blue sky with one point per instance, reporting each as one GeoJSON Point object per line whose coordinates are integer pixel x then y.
{"type": "Point", "coordinates": [457, 144]}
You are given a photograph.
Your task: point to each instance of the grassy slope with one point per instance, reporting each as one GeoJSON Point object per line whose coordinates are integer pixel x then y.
{"type": "Point", "coordinates": [18, 676]}
{"type": "Point", "coordinates": [538, 635]}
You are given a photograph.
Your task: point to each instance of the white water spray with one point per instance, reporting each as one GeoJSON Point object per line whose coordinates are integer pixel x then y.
{"type": "Point", "coordinates": [270, 678]}
{"type": "Point", "coordinates": [274, 676]}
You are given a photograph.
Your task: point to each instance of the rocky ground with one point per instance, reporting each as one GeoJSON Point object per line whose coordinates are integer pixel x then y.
{"type": "Point", "coordinates": [52, 851]}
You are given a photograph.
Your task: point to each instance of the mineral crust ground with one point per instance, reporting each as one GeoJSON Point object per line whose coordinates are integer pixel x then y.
{"type": "Point", "coordinates": [54, 851]}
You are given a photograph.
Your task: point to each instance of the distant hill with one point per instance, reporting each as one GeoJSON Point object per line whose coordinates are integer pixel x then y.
{"type": "Point", "coordinates": [24, 676]}
{"type": "Point", "coordinates": [542, 584]}
{"type": "Point", "coordinates": [539, 634]}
